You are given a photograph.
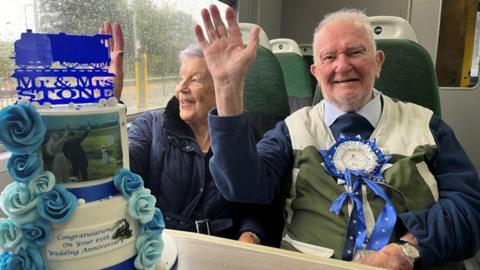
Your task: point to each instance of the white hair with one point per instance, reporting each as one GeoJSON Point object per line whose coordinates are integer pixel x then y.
{"type": "Point", "coordinates": [346, 14]}
{"type": "Point", "coordinates": [191, 50]}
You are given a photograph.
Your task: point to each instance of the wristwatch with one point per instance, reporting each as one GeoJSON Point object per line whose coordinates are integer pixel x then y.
{"type": "Point", "coordinates": [409, 250]}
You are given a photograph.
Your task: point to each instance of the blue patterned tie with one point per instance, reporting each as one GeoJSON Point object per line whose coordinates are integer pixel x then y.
{"type": "Point", "coordinates": [351, 124]}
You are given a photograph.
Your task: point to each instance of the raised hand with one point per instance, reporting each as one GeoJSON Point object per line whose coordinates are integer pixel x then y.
{"type": "Point", "coordinates": [116, 46]}
{"type": "Point", "coordinates": [227, 59]}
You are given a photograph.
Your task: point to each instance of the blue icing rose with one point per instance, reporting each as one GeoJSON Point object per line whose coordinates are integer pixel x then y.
{"type": "Point", "coordinates": [149, 249]}
{"type": "Point", "coordinates": [42, 183]}
{"type": "Point", "coordinates": [127, 182]}
{"type": "Point", "coordinates": [10, 235]}
{"type": "Point", "coordinates": [5, 259]}
{"type": "Point", "coordinates": [141, 206]}
{"type": "Point", "coordinates": [37, 233]}
{"type": "Point", "coordinates": [21, 128]}
{"type": "Point", "coordinates": [156, 225]}
{"type": "Point", "coordinates": [23, 167]}
{"type": "Point", "coordinates": [27, 258]}
{"type": "Point", "coordinates": [18, 203]}
{"type": "Point", "coordinates": [57, 205]}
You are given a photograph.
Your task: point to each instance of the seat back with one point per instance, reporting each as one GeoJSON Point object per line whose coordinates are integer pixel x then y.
{"type": "Point", "coordinates": [307, 52]}
{"type": "Point", "coordinates": [265, 94]}
{"type": "Point", "coordinates": [391, 27]}
{"type": "Point", "coordinates": [407, 74]}
{"type": "Point", "coordinates": [295, 72]}
{"type": "Point", "coordinates": [246, 28]}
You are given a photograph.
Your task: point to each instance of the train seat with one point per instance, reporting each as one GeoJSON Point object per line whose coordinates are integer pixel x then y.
{"type": "Point", "coordinates": [408, 74]}
{"type": "Point", "coordinates": [307, 52]}
{"type": "Point", "coordinates": [392, 27]}
{"type": "Point", "coordinates": [246, 28]}
{"type": "Point", "coordinates": [295, 72]}
{"type": "Point", "coordinates": [265, 93]}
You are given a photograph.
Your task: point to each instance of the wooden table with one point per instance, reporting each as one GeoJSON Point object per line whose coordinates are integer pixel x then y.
{"type": "Point", "coordinates": [198, 252]}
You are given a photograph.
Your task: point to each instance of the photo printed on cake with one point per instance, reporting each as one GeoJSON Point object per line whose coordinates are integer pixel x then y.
{"type": "Point", "coordinates": [80, 148]}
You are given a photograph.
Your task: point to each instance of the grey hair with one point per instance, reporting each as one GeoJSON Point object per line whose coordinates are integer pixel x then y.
{"type": "Point", "coordinates": [347, 14]}
{"type": "Point", "coordinates": [191, 50]}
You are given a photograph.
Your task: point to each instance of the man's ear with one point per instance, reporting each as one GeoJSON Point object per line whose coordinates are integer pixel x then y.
{"type": "Point", "coordinates": [313, 70]}
{"type": "Point", "coordinates": [379, 59]}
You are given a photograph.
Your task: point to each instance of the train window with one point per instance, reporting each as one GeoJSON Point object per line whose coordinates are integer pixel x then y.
{"type": "Point", "coordinates": [458, 54]}
{"type": "Point", "coordinates": [155, 31]}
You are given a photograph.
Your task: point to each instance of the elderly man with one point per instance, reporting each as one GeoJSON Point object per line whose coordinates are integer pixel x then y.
{"type": "Point", "coordinates": [370, 179]}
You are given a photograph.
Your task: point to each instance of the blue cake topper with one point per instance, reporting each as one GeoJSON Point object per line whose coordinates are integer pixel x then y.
{"type": "Point", "coordinates": [62, 68]}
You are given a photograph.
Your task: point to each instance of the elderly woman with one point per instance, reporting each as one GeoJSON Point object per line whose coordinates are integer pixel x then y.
{"type": "Point", "coordinates": [170, 149]}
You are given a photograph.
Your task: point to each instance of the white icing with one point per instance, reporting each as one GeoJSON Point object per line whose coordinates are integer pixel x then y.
{"type": "Point", "coordinates": [85, 241]}
{"type": "Point", "coordinates": [112, 101]}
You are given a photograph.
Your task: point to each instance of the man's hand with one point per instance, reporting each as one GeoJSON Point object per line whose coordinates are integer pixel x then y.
{"type": "Point", "coordinates": [390, 257]}
{"type": "Point", "coordinates": [116, 46]}
{"type": "Point", "coordinates": [249, 237]}
{"type": "Point", "coordinates": [227, 60]}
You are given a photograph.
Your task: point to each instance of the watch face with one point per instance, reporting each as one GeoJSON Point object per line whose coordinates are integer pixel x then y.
{"type": "Point", "coordinates": [410, 251]}
{"type": "Point", "coordinates": [355, 156]}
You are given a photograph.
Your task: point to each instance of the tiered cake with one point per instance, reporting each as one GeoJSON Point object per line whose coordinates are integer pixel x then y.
{"type": "Point", "coordinates": [72, 204]}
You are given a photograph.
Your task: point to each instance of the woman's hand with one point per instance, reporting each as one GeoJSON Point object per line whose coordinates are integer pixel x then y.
{"type": "Point", "coordinates": [227, 59]}
{"type": "Point", "coordinates": [116, 45]}
{"type": "Point", "coordinates": [249, 237]}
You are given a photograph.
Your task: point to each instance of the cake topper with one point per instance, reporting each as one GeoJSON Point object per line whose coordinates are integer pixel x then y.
{"type": "Point", "coordinates": [63, 68]}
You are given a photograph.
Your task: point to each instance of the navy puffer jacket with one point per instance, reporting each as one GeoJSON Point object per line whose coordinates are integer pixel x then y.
{"type": "Point", "coordinates": [164, 152]}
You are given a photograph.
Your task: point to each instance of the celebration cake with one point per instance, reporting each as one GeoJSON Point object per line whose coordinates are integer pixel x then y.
{"type": "Point", "coordinates": [72, 203]}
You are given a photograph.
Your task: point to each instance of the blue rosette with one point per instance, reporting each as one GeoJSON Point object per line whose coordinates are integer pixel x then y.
{"type": "Point", "coordinates": [358, 162]}
{"type": "Point", "coordinates": [42, 183]}
{"type": "Point", "coordinates": [37, 233]}
{"type": "Point", "coordinates": [21, 128]}
{"type": "Point", "coordinates": [156, 225]}
{"type": "Point", "coordinates": [141, 206]}
{"type": "Point", "coordinates": [57, 205]}
{"type": "Point", "coordinates": [27, 258]}
{"type": "Point", "coordinates": [10, 235]}
{"type": "Point", "coordinates": [149, 249]}
{"type": "Point", "coordinates": [18, 203]}
{"type": "Point", "coordinates": [127, 182]}
{"type": "Point", "coordinates": [23, 167]}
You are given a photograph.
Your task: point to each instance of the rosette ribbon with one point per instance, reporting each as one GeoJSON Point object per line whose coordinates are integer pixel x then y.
{"type": "Point", "coordinates": [386, 220]}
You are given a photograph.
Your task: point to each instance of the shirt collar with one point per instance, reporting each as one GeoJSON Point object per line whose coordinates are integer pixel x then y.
{"type": "Point", "coordinates": [371, 111]}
